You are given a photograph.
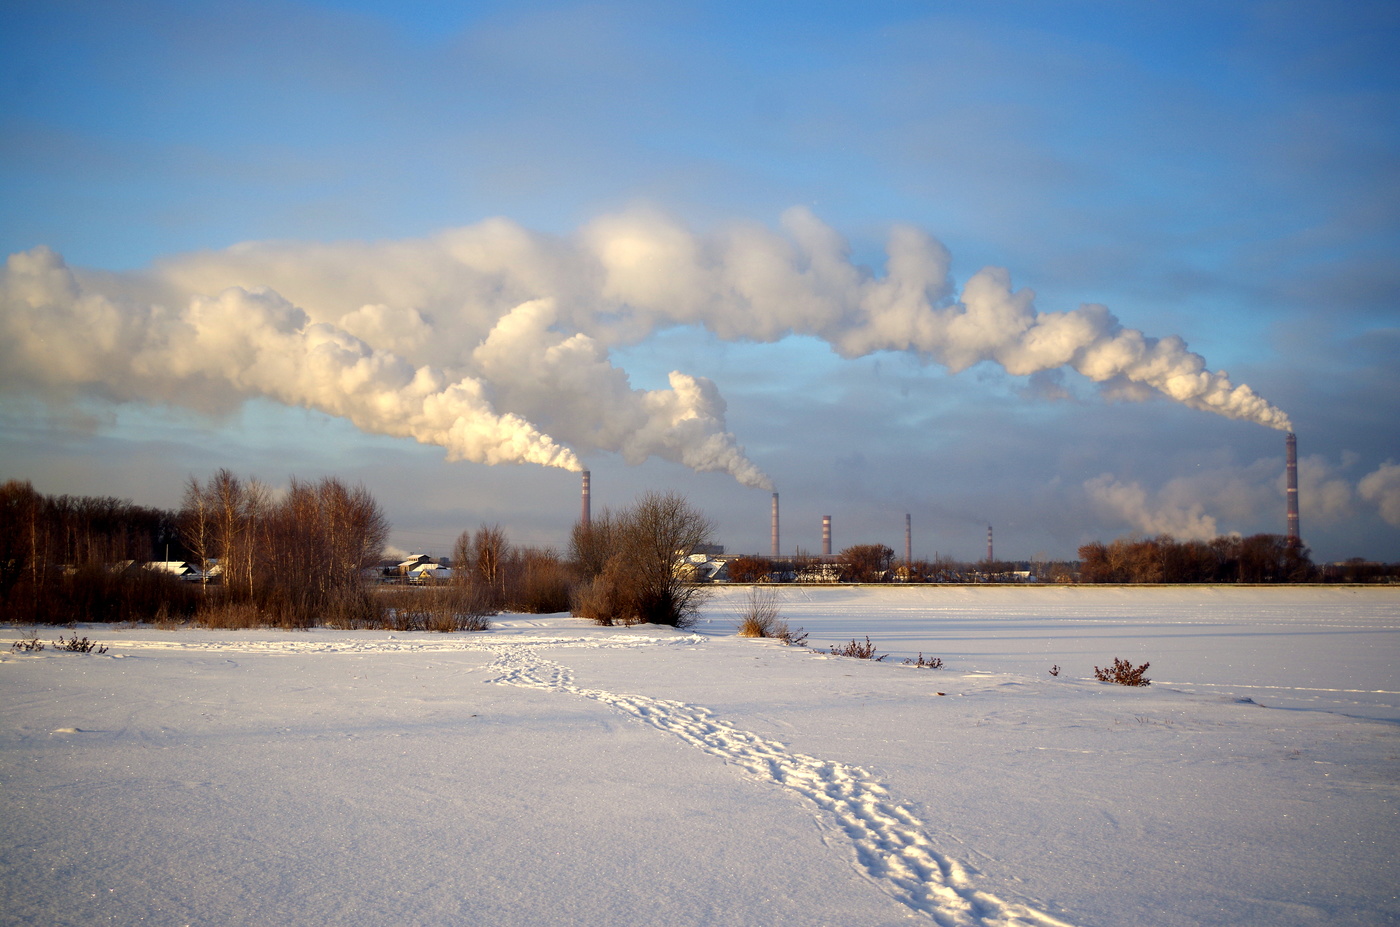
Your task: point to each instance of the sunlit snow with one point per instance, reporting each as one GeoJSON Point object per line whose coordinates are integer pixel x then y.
{"type": "Point", "coordinates": [552, 772]}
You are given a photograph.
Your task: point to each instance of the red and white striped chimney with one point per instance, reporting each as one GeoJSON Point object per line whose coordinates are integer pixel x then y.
{"type": "Point", "coordinates": [775, 525]}
{"type": "Point", "coordinates": [586, 516]}
{"type": "Point", "coordinates": [1295, 538]}
{"type": "Point", "coordinates": [826, 535]}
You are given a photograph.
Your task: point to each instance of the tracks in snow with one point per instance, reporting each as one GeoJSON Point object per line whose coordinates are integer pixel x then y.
{"type": "Point", "coordinates": [888, 842]}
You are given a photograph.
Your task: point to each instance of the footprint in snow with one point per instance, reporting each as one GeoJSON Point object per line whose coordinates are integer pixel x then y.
{"type": "Point", "coordinates": [887, 840]}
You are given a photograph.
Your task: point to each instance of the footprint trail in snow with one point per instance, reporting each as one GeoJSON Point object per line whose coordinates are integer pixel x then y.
{"type": "Point", "coordinates": [890, 847]}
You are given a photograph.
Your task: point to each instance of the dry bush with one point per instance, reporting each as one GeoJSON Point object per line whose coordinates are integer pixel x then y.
{"type": "Point", "coordinates": [546, 584]}
{"type": "Point", "coordinates": [758, 615]}
{"type": "Point", "coordinates": [601, 600]}
{"type": "Point", "coordinates": [1123, 673]}
{"type": "Point", "coordinates": [443, 609]}
{"type": "Point", "coordinates": [793, 637]}
{"type": "Point", "coordinates": [230, 616]}
{"type": "Point", "coordinates": [78, 645]}
{"type": "Point", "coordinates": [930, 663]}
{"type": "Point", "coordinates": [630, 561]}
{"type": "Point", "coordinates": [858, 650]}
{"type": "Point", "coordinates": [29, 644]}
{"type": "Point", "coordinates": [353, 609]}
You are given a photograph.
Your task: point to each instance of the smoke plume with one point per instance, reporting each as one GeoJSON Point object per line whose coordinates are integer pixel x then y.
{"type": "Point", "coordinates": [494, 342]}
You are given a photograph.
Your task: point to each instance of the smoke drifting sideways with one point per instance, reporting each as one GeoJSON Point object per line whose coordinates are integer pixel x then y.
{"type": "Point", "coordinates": [493, 342]}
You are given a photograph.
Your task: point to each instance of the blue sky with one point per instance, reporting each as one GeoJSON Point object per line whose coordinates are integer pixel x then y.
{"type": "Point", "coordinates": [1222, 172]}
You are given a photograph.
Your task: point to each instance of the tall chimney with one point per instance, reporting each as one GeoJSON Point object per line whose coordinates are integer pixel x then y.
{"type": "Point", "coordinates": [775, 526]}
{"type": "Point", "coordinates": [826, 535]}
{"type": "Point", "coordinates": [908, 540]}
{"type": "Point", "coordinates": [1295, 538]}
{"type": "Point", "coordinates": [586, 517]}
{"type": "Point", "coordinates": [989, 543]}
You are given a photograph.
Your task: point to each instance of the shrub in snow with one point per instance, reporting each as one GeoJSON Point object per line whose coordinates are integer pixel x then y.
{"type": "Point", "coordinates": [30, 644]}
{"type": "Point", "coordinates": [858, 650]}
{"type": "Point", "coordinates": [444, 609]}
{"type": "Point", "coordinates": [930, 663]}
{"type": "Point", "coordinates": [79, 645]}
{"type": "Point", "coordinates": [1123, 673]}
{"type": "Point", "coordinates": [758, 617]}
{"type": "Point", "coordinates": [630, 563]}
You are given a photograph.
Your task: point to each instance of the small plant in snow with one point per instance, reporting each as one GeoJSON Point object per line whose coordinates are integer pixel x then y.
{"type": "Point", "coordinates": [1055, 670]}
{"type": "Point", "coordinates": [792, 637]}
{"type": "Point", "coordinates": [30, 644]}
{"type": "Point", "coordinates": [1123, 673]}
{"type": "Point", "coordinates": [79, 645]}
{"type": "Point", "coordinates": [858, 650]}
{"type": "Point", "coordinates": [931, 662]}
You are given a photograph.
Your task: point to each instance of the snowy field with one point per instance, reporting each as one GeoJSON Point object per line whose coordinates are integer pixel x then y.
{"type": "Point", "coordinates": [549, 772]}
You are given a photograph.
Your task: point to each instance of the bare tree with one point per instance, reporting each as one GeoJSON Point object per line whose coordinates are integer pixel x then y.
{"type": "Point", "coordinates": [640, 580]}
{"type": "Point", "coordinates": [195, 526]}
{"type": "Point", "coordinates": [865, 563]}
{"type": "Point", "coordinates": [483, 562]}
{"type": "Point", "coordinates": [750, 569]}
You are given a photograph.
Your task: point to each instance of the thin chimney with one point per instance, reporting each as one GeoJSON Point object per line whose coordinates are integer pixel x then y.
{"type": "Point", "coordinates": [826, 535]}
{"type": "Point", "coordinates": [1295, 538]}
{"type": "Point", "coordinates": [775, 525]}
{"type": "Point", "coordinates": [989, 543]}
{"type": "Point", "coordinates": [908, 540]}
{"type": "Point", "coordinates": [586, 517]}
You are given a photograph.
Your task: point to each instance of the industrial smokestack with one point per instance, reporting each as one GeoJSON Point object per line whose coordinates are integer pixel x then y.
{"type": "Point", "coordinates": [586, 516]}
{"type": "Point", "coordinates": [826, 535]}
{"type": "Point", "coordinates": [1295, 538]}
{"type": "Point", "coordinates": [908, 540]}
{"type": "Point", "coordinates": [775, 525]}
{"type": "Point", "coordinates": [989, 543]}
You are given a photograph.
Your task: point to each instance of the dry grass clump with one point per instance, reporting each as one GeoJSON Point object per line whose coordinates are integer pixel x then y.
{"type": "Point", "coordinates": [758, 617]}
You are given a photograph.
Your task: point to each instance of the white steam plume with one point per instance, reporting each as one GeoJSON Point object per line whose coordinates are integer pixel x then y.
{"type": "Point", "coordinates": [1382, 486]}
{"type": "Point", "coordinates": [1184, 520]}
{"type": "Point", "coordinates": [494, 341]}
{"type": "Point", "coordinates": [214, 351]}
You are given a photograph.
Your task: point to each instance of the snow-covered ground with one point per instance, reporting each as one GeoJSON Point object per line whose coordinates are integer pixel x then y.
{"type": "Point", "coordinates": [551, 772]}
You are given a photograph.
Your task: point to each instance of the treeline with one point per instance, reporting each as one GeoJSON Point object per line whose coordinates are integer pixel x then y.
{"type": "Point", "coordinates": [302, 556]}
{"type": "Point", "coordinates": [70, 558]}
{"type": "Point", "coordinates": [290, 559]}
{"type": "Point", "coordinates": [1260, 558]}
{"type": "Point", "coordinates": [495, 575]}
{"type": "Point", "coordinates": [293, 559]}
{"type": "Point", "coordinates": [876, 563]}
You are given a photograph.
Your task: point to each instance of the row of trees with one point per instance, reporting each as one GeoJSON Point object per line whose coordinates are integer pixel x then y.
{"type": "Point", "coordinates": [65, 554]}
{"type": "Point", "coordinates": [498, 575]}
{"type": "Point", "coordinates": [876, 563]}
{"type": "Point", "coordinates": [1260, 558]}
{"type": "Point", "coordinates": [299, 556]}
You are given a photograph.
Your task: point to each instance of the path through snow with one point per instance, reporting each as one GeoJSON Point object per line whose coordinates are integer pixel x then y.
{"type": "Point", "coordinates": [888, 843]}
